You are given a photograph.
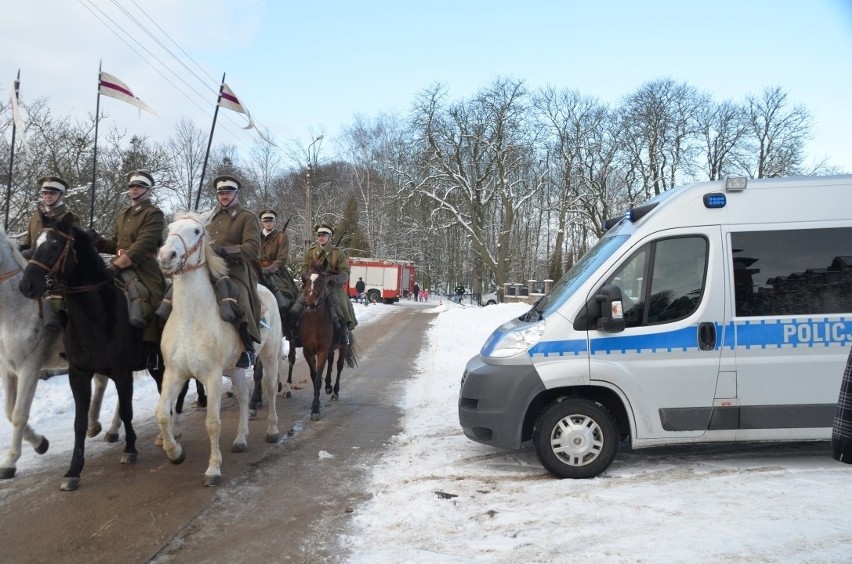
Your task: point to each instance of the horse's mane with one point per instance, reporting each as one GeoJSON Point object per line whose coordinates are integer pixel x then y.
{"type": "Point", "coordinates": [216, 264]}
{"type": "Point", "coordinates": [14, 248]}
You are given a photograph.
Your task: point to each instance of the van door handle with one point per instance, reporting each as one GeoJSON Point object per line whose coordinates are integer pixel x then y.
{"type": "Point", "coordinates": [706, 336]}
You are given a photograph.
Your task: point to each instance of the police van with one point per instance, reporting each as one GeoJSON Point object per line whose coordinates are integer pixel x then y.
{"type": "Point", "coordinates": [717, 311]}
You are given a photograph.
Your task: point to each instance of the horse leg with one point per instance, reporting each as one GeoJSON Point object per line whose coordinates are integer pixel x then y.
{"type": "Point", "coordinates": [202, 395]}
{"type": "Point", "coordinates": [19, 395]}
{"type": "Point", "coordinates": [316, 380]}
{"type": "Point", "coordinates": [157, 374]}
{"type": "Point", "coordinates": [174, 451]}
{"type": "Point", "coordinates": [328, 370]}
{"type": "Point", "coordinates": [213, 474]}
{"type": "Point", "coordinates": [341, 360]}
{"type": "Point", "coordinates": [291, 362]}
{"type": "Point", "coordinates": [124, 386]}
{"type": "Point", "coordinates": [241, 390]}
{"type": "Point", "coordinates": [95, 407]}
{"type": "Point", "coordinates": [257, 392]}
{"type": "Point", "coordinates": [270, 380]}
{"type": "Point", "coordinates": [81, 389]}
{"type": "Point", "coordinates": [316, 376]}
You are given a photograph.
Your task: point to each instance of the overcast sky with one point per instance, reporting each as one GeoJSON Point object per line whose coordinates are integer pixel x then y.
{"type": "Point", "coordinates": [305, 68]}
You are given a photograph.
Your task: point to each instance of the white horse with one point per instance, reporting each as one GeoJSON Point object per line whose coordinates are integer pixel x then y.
{"type": "Point", "coordinates": [198, 344]}
{"type": "Point", "coordinates": [26, 347]}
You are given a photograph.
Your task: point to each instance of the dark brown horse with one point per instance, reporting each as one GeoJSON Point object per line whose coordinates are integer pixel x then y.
{"type": "Point", "coordinates": [319, 341]}
{"type": "Point", "coordinates": [98, 336]}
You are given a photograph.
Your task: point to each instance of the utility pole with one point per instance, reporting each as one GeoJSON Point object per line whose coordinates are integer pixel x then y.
{"type": "Point", "coordinates": [308, 199]}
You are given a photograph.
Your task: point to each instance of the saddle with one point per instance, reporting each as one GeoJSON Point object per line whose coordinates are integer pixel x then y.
{"type": "Point", "coordinates": [226, 294]}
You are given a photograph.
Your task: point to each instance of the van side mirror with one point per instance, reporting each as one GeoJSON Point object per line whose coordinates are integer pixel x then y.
{"type": "Point", "coordinates": [611, 319]}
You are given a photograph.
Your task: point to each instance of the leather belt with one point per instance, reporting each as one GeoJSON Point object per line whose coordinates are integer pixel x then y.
{"type": "Point", "coordinates": [149, 254]}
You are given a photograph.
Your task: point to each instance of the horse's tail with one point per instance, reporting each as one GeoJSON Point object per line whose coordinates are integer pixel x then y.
{"type": "Point", "coordinates": [351, 353]}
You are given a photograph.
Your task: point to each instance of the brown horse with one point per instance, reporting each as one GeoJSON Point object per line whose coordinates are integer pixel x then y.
{"type": "Point", "coordinates": [319, 341]}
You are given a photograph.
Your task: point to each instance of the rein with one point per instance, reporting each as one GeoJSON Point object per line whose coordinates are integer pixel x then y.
{"type": "Point", "coordinates": [182, 268]}
{"type": "Point", "coordinates": [8, 275]}
{"type": "Point", "coordinates": [53, 282]}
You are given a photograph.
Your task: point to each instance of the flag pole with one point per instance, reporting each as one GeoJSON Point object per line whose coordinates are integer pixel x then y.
{"type": "Point", "coordinates": [16, 94]}
{"type": "Point", "coordinates": [95, 151]}
{"type": "Point", "coordinates": [209, 142]}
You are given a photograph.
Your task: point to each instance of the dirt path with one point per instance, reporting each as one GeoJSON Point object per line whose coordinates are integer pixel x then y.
{"type": "Point", "coordinates": [286, 501]}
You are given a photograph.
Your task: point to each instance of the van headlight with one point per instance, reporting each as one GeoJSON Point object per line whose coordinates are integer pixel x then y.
{"type": "Point", "coordinates": [514, 341]}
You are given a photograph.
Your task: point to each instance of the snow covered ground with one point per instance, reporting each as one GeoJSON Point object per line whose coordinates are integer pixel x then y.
{"type": "Point", "coordinates": [439, 497]}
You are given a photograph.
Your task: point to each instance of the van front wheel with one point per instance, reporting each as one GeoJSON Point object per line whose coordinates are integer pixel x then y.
{"type": "Point", "coordinates": [575, 438]}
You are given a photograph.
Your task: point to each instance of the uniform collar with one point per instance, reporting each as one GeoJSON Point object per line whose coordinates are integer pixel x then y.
{"type": "Point", "coordinates": [231, 210]}
{"type": "Point", "coordinates": [141, 205]}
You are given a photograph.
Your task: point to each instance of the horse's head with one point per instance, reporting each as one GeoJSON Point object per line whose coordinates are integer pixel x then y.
{"type": "Point", "coordinates": [56, 255]}
{"type": "Point", "coordinates": [314, 286]}
{"type": "Point", "coordinates": [186, 247]}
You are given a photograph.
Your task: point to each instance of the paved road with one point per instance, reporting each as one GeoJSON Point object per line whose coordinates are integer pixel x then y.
{"type": "Point", "coordinates": [282, 502]}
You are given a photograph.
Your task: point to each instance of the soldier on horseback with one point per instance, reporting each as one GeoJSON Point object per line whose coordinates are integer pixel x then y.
{"type": "Point", "coordinates": [273, 259]}
{"type": "Point", "coordinates": [53, 206]}
{"type": "Point", "coordinates": [138, 235]}
{"type": "Point", "coordinates": [334, 262]}
{"type": "Point", "coordinates": [236, 238]}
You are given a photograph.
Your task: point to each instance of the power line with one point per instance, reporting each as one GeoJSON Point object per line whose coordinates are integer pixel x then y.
{"type": "Point", "coordinates": [141, 56]}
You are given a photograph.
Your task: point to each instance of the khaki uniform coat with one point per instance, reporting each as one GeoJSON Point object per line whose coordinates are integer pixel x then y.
{"type": "Point", "coordinates": [333, 261]}
{"type": "Point", "coordinates": [139, 234]}
{"type": "Point", "coordinates": [34, 227]}
{"type": "Point", "coordinates": [274, 251]}
{"type": "Point", "coordinates": [234, 226]}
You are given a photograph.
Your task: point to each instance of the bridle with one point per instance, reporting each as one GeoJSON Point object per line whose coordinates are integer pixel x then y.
{"type": "Point", "coordinates": [52, 280]}
{"type": "Point", "coordinates": [188, 251]}
{"type": "Point", "coordinates": [319, 296]}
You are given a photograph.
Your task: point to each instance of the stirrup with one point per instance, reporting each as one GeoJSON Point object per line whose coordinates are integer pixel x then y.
{"type": "Point", "coordinates": [264, 323]}
{"type": "Point", "coordinates": [247, 358]}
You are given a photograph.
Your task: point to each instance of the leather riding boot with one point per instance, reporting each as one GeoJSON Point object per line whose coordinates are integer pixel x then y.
{"type": "Point", "coordinates": [247, 357]}
{"type": "Point", "coordinates": [297, 308]}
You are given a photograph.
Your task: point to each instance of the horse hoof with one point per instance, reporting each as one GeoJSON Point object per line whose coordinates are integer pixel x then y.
{"type": "Point", "coordinates": [252, 412]}
{"type": "Point", "coordinates": [129, 457]}
{"type": "Point", "coordinates": [289, 394]}
{"type": "Point", "coordinates": [94, 430]}
{"type": "Point", "coordinates": [328, 390]}
{"type": "Point", "coordinates": [272, 437]}
{"type": "Point", "coordinates": [213, 481]}
{"type": "Point", "coordinates": [239, 447]}
{"type": "Point", "coordinates": [315, 416]}
{"type": "Point", "coordinates": [180, 458]}
{"type": "Point", "coordinates": [7, 473]}
{"type": "Point", "coordinates": [334, 397]}
{"type": "Point", "coordinates": [70, 484]}
{"type": "Point", "coordinates": [111, 438]}
{"type": "Point", "coordinates": [42, 446]}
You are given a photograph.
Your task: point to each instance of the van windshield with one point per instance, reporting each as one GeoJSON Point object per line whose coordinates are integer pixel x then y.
{"type": "Point", "coordinates": [575, 277]}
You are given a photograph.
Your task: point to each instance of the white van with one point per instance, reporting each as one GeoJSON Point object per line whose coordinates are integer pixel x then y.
{"type": "Point", "coordinates": [718, 311]}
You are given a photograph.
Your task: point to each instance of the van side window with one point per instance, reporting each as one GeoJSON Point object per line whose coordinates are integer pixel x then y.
{"type": "Point", "coordinates": [795, 272]}
{"type": "Point", "coordinates": [676, 268]}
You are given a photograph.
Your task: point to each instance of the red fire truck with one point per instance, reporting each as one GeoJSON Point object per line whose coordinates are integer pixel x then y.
{"type": "Point", "coordinates": [384, 279]}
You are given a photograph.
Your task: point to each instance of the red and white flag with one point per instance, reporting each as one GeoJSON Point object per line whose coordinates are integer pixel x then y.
{"type": "Point", "coordinates": [108, 85]}
{"type": "Point", "coordinates": [227, 99]}
{"type": "Point", "coordinates": [16, 114]}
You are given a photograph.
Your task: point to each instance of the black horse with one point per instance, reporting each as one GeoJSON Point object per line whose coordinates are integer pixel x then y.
{"type": "Point", "coordinates": [98, 334]}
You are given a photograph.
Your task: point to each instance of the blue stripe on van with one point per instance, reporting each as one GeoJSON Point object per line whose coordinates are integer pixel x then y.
{"type": "Point", "coordinates": [747, 334]}
{"type": "Point", "coordinates": [812, 332]}
{"type": "Point", "coordinates": [667, 341]}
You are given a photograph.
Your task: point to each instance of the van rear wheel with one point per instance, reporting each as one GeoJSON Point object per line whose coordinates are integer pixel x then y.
{"type": "Point", "coordinates": [575, 438]}
{"type": "Point", "coordinates": [374, 296]}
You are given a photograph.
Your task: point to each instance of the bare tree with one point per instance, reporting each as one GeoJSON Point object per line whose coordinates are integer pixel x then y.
{"type": "Point", "coordinates": [723, 128]}
{"type": "Point", "coordinates": [779, 133]}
